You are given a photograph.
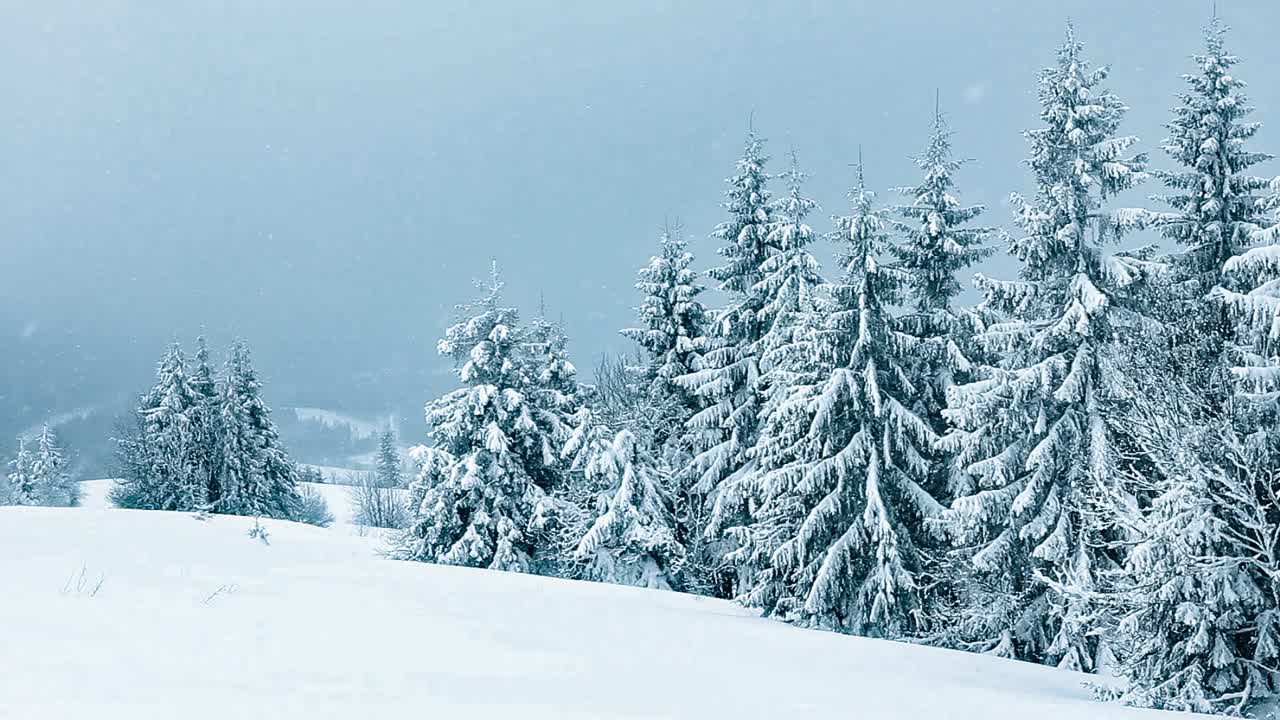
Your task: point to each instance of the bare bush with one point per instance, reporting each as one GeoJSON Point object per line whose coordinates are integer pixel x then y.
{"type": "Point", "coordinates": [312, 509]}
{"type": "Point", "coordinates": [80, 584]}
{"type": "Point", "coordinates": [375, 505]}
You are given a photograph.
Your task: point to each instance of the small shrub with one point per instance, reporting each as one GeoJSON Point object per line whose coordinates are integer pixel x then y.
{"type": "Point", "coordinates": [127, 496]}
{"type": "Point", "coordinates": [258, 532]}
{"type": "Point", "coordinates": [375, 505]}
{"type": "Point", "coordinates": [312, 509]}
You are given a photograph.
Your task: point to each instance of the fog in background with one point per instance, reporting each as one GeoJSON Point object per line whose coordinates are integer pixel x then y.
{"type": "Point", "coordinates": [324, 179]}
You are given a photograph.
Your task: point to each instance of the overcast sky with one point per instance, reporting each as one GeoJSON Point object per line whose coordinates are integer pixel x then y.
{"type": "Point", "coordinates": [325, 178]}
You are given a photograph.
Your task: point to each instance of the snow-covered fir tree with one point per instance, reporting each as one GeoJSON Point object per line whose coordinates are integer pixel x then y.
{"type": "Point", "coordinates": [1034, 431]}
{"type": "Point", "coordinates": [205, 417]}
{"type": "Point", "coordinates": [633, 537]}
{"type": "Point", "coordinates": [1251, 292]}
{"type": "Point", "coordinates": [1199, 598]}
{"type": "Point", "coordinates": [1215, 207]}
{"type": "Point", "coordinates": [857, 549]}
{"type": "Point", "coordinates": [256, 476]}
{"type": "Point", "coordinates": [388, 465]}
{"type": "Point", "coordinates": [937, 243]}
{"type": "Point", "coordinates": [1214, 202]}
{"type": "Point", "coordinates": [48, 473]}
{"type": "Point", "coordinates": [484, 511]}
{"type": "Point", "coordinates": [790, 278]}
{"type": "Point", "coordinates": [841, 494]}
{"type": "Point", "coordinates": [1196, 603]}
{"type": "Point", "coordinates": [727, 379]}
{"type": "Point", "coordinates": [176, 480]}
{"type": "Point", "coordinates": [791, 319]}
{"type": "Point", "coordinates": [551, 387]}
{"type": "Point", "coordinates": [22, 488]}
{"type": "Point", "coordinates": [672, 325]}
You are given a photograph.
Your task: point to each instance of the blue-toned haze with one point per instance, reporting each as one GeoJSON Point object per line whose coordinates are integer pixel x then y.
{"type": "Point", "coordinates": [325, 178]}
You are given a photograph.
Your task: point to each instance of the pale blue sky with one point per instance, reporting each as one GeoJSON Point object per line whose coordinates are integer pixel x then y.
{"type": "Point", "coordinates": [325, 178]}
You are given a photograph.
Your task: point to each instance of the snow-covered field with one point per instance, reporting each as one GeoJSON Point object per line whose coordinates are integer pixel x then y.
{"type": "Point", "coordinates": [93, 496]}
{"type": "Point", "coordinates": [115, 614]}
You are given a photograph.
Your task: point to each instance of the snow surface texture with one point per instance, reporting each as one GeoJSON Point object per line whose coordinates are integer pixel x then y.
{"type": "Point", "coordinates": [123, 614]}
{"type": "Point", "coordinates": [93, 496]}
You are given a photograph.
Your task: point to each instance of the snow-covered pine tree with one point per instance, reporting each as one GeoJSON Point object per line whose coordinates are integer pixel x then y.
{"type": "Point", "coordinates": [1196, 602]}
{"type": "Point", "coordinates": [672, 324]}
{"type": "Point", "coordinates": [256, 475]}
{"type": "Point", "coordinates": [53, 485]}
{"type": "Point", "coordinates": [388, 469]}
{"type": "Point", "coordinates": [22, 488]}
{"type": "Point", "coordinates": [633, 537]}
{"type": "Point", "coordinates": [1215, 203]}
{"type": "Point", "coordinates": [938, 243]}
{"type": "Point", "coordinates": [483, 511]}
{"type": "Point", "coordinates": [791, 280]}
{"type": "Point", "coordinates": [1035, 431]}
{"type": "Point", "coordinates": [791, 318]}
{"type": "Point", "coordinates": [1204, 608]}
{"type": "Point", "coordinates": [176, 480]}
{"type": "Point", "coordinates": [205, 418]}
{"type": "Point", "coordinates": [1251, 291]}
{"type": "Point", "coordinates": [727, 381]}
{"type": "Point", "coordinates": [854, 558]}
{"type": "Point", "coordinates": [434, 466]}
{"type": "Point", "coordinates": [549, 383]}
{"type": "Point", "coordinates": [1215, 208]}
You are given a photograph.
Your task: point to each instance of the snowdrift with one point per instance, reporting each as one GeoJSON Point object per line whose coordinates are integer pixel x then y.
{"type": "Point", "coordinates": [131, 614]}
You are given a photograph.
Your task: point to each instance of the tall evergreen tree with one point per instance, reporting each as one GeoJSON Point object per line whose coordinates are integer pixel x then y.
{"type": "Point", "coordinates": [175, 477]}
{"type": "Point", "coordinates": [1035, 431]}
{"type": "Point", "coordinates": [1215, 203]}
{"type": "Point", "coordinates": [48, 473]}
{"type": "Point", "coordinates": [1215, 207]}
{"type": "Point", "coordinates": [388, 470]}
{"type": "Point", "coordinates": [205, 418]}
{"type": "Point", "coordinates": [937, 243]}
{"type": "Point", "coordinates": [483, 512]}
{"type": "Point", "coordinates": [852, 561]}
{"type": "Point", "coordinates": [549, 382]}
{"type": "Point", "coordinates": [791, 279]}
{"type": "Point", "coordinates": [22, 486]}
{"type": "Point", "coordinates": [633, 537]}
{"type": "Point", "coordinates": [791, 322]}
{"type": "Point", "coordinates": [1196, 603]}
{"type": "Point", "coordinates": [727, 381]}
{"type": "Point", "coordinates": [672, 319]}
{"type": "Point", "coordinates": [256, 476]}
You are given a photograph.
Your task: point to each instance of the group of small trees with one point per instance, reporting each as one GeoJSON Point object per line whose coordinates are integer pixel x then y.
{"type": "Point", "coordinates": [1079, 470]}
{"type": "Point", "coordinates": [206, 444]}
{"type": "Point", "coordinates": [40, 476]}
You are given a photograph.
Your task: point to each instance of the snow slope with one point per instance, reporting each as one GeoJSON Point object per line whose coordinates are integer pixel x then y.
{"type": "Point", "coordinates": [94, 496]}
{"type": "Point", "coordinates": [194, 619]}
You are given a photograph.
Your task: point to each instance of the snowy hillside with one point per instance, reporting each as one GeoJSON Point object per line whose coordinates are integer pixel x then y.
{"type": "Point", "coordinates": [93, 496]}
{"type": "Point", "coordinates": [132, 614]}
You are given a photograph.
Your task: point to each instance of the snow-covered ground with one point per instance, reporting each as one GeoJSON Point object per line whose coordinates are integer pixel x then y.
{"type": "Point", "coordinates": [116, 614]}
{"type": "Point", "coordinates": [93, 496]}
{"type": "Point", "coordinates": [339, 475]}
